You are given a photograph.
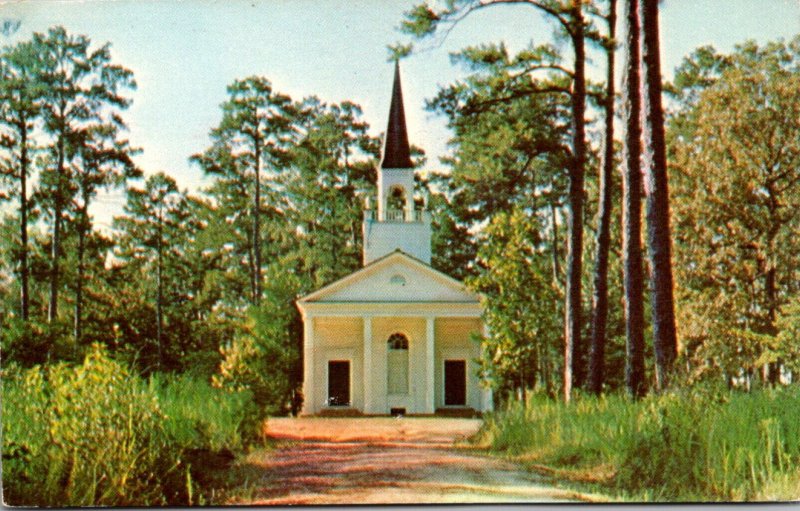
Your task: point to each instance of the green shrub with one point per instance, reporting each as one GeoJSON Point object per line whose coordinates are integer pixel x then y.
{"type": "Point", "coordinates": [203, 417]}
{"type": "Point", "coordinates": [97, 435]}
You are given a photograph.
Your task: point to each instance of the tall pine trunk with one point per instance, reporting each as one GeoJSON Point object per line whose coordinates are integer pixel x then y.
{"type": "Point", "coordinates": [632, 206]}
{"type": "Point", "coordinates": [600, 298]}
{"type": "Point", "coordinates": [574, 356]}
{"type": "Point", "coordinates": [23, 221]}
{"type": "Point", "coordinates": [83, 228]}
{"type": "Point", "coordinates": [657, 204]}
{"type": "Point", "coordinates": [55, 249]}
{"type": "Point", "coordinates": [554, 252]}
{"type": "Point", "coordinates": [160, 288]}
{"type": "Point", "coordinates": [257, 225]}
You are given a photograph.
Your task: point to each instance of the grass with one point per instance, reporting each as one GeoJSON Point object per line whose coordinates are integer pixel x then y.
{"type": "Point", "coordinates": [97, 435]}
{"type": "Point", "coordinates": [691, 445]}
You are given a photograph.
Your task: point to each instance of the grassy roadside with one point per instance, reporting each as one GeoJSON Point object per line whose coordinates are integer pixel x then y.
{"type": "Point", "coordinates": [688, 446]}
{"type": "Point", "coordinates": [96, 434]}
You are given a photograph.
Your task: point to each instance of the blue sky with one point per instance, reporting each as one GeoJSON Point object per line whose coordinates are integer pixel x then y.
{"type": "Point", "coordinates": [184, 53]}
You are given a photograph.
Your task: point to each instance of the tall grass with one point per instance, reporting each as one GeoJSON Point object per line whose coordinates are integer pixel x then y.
{"type": "Point", "coordinates": [96, 434]}
{"type": "Point", "coordinates": [692, 445]}
{"type": "Point", "coordinates": [202, 417]}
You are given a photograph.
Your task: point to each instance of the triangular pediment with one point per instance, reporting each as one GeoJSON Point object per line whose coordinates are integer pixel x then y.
{"type": "Point", "coordinates": [396, 277]}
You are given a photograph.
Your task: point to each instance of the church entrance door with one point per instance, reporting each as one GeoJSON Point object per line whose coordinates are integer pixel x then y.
{"type": "Point", "coordinates": [455, 383]}
{"type": "Point", "coordinates": [339, 383]}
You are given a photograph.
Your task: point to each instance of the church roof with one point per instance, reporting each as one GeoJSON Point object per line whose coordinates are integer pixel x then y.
{"type": "Point", "coordinates": [425, 284]}
{"type": "Point", "coordinates": [396, 152]}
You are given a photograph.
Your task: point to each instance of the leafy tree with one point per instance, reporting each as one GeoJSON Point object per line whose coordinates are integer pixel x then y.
{"type": "Point", "coordinates": [631, 206]}
{"type": "Point", "coordinates": [736, 167]}
{"type": "Point", "coordinates": [264, 357]}
{"type": "Point", "coordinates": [785, 347]}
{"type": "Point", "coordinates": [523, 346]}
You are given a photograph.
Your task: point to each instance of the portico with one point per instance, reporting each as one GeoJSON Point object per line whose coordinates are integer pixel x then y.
{"type": "Point", "coordinates": [399, 350]}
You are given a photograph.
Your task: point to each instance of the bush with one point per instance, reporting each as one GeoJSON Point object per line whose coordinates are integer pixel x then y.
{"type": "Point", "coordinates": [97, 435]}
{"type": "Point", "coordinates": [203, 417]}
{"type": "Point", "coordinates": [263, 359]}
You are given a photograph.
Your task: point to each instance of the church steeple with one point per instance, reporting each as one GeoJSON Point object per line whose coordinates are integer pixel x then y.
{"type": "Point", "coordinates": [396, 153]}
{"type": "Point", "coordinates": [397, 223]}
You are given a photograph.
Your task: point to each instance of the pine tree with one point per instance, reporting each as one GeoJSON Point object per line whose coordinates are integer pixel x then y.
{"type": "Point", "coordinates": [331, 171]}
{"type": "Point", "coordinates": [600, 297]}
{"type": "Point", "coordinates": [21, 91]}
{"type": "Point", "coordinates": [659, 240]}
{"type": "Point", "coordinates": [156, 221]}
{"type": "Point", "coordinates": [103, 161]}
{"type": "Point", "coordinates": [422, 21]}
{"type": "Point", "coordinates": [255, 128]}
{"type": "Point", "coordinates": [81, 86]}
{"type": "Point", "coordinates": [631, 207]}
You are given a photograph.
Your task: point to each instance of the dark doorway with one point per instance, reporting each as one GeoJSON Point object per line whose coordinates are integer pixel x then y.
{"type": "Point", "coordinates": [339, 383]}
{"type": "Point", "coordinates": [455, 383]}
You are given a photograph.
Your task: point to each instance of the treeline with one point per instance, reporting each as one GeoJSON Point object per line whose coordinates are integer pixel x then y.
{"type": "Point", "coordinates": [202, 282]}
{"type": "Point", "coordinates": [544, 203]}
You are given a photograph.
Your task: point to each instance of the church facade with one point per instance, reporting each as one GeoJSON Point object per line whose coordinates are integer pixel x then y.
{"type": "Point", "coordinates": [396, 336]}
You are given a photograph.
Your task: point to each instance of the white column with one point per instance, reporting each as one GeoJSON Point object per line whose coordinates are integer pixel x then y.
{"type": "Point", "coordinates": [309, 394]}
{"type": "Point", "coordinates": [368, 406]}
{"type": "Point", "coordinates": [430, 364]}
{"type": "Point", "coordinates": [487, 399]}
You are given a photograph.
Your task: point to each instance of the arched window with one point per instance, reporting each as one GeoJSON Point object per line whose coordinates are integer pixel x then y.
{"type": "Point", "coordinates": [397, 364]}
{"type": "Point", "coordinates": [398, 342]}
{"type": "Point", "coordinates": [396, 199]}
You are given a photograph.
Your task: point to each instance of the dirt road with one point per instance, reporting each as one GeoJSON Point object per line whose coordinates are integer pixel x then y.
{"type": "Point", "coordinates": [388, 460]}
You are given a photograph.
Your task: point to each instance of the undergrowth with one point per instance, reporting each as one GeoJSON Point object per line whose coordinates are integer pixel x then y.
{"type": "Point", "coordinates": [689, 445]}
{"type": "Point", "coordinates": [96, 434]}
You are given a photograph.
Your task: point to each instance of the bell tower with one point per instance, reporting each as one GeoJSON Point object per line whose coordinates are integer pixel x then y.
{"type": "Point", "coordinates": [396, 223]}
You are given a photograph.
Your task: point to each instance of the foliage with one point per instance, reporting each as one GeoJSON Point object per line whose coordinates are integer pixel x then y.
{"type": "Point", "coordinates": [203, 417]}
{"type": "Point", "coordinates": [494, 213]}
{"type": "Point", "coordinates": [510, 143]}
{"type": "Point", "coordinates": [735, 160]}
{"type": "Point", "coordinates": [254, 132]}
{"type": "Point", "coordinates": [95, 434]}
{"type": "Point", "coordinates": [264, 358]}
{"type": "Point", "coordinates": [786, 345]}
{"type": "Point", "coordinates": [520, 306]}
{"type": "Point", "coordinates": [702, 444]}
{"type": "Point", "coordinates": [331, 172]}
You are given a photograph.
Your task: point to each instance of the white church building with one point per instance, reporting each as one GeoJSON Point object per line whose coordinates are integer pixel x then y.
{"type": "Point", "coordinates": [396, 336]}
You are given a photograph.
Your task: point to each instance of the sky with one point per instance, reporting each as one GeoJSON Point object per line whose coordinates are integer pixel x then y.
{"type": "Point", "coordinates": [185, 52]}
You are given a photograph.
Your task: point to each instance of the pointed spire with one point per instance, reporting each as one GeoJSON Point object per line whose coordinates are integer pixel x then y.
{"type": "Point", "coordinates": [396, 153]}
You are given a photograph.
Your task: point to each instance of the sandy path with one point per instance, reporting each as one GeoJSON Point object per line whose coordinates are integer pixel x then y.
{"type": "Point", "coordinates": [387, 460]}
